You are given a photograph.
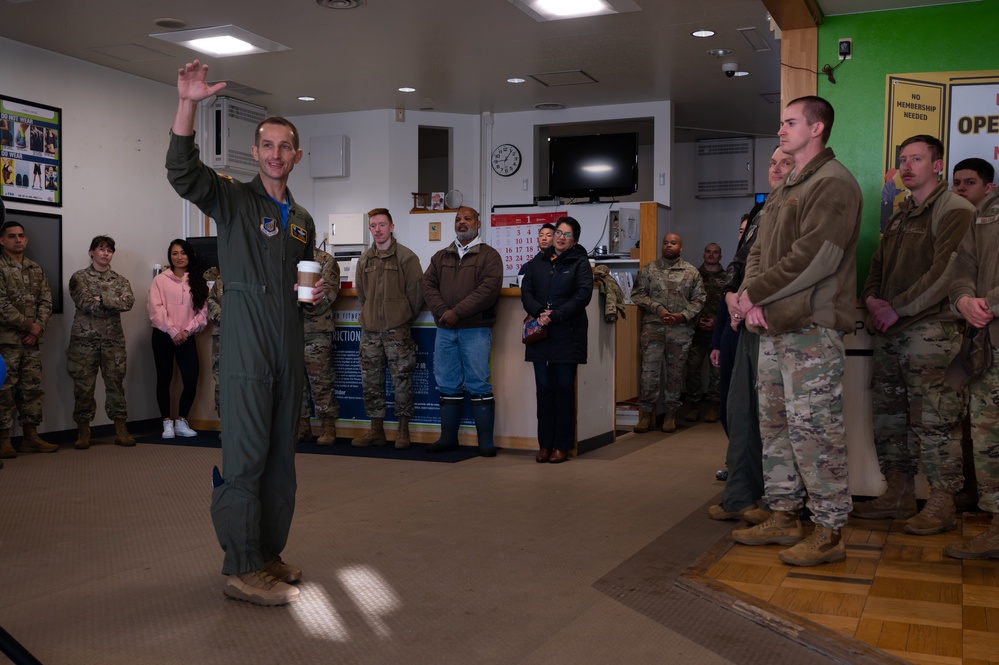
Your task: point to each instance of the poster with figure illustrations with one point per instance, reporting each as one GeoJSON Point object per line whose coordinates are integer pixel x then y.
{"type": "Point", "coordinates": [30, 152]}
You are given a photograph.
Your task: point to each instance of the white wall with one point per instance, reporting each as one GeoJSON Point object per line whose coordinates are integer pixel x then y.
{"type": "Point", "coordinates": [384, 169]}
{"type": "Point", "coordinates": [115, 134]}
{"type": "Point", "coordinates": [701, 221]}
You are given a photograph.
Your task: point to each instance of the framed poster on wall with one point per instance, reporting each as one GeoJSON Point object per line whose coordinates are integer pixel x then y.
{"type": "Point", "coordinates": [30, 152]}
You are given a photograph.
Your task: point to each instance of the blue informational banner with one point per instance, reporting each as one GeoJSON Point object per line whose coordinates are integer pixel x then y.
{"type": "Point", "coordinates": [426, 399]}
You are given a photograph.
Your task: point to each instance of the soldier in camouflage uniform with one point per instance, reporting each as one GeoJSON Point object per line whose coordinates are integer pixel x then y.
{"type": "Point", "coordinates": [319, 372]}
{"type": "Point", "coordinates": [671, 292]}
{"type": "Point", "coordinates": [714, 278]}
{"type": "Point", "coordinates": [389, 284]}
{"type": "Point", "coordinates": [917, 415]}
{"type": "Point", "coordinates": [97, 342]}
{"type": "Point", "coordinates": [25, 308]}
{"type": "Point", "coordinates": [800, 293]}
{"type": "Point", "coordinates": [214, 304]}
{"type": "Point", "coordinates": [975, 294]}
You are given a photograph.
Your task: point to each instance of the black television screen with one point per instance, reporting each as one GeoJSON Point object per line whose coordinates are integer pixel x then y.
{"type": "Point", "coordinates": [207, 248]}
{"type": "Point", "coordinates": [601, 165]}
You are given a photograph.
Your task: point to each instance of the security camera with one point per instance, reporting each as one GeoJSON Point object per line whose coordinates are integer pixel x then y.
{"type": "Point", "coordinates": [730, 68]}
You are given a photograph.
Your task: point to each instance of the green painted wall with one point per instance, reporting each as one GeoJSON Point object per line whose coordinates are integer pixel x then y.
{"type": "Point", "coordinates": [961, 37]}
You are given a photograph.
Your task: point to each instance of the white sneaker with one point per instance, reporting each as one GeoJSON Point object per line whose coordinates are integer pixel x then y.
{"type": "Point", "coordinates": [182, 428]}
{"type": "Point", "coordinates": [167, 429]}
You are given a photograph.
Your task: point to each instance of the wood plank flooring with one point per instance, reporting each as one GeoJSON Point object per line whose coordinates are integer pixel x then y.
{"type": "Point", "coordinates": [896, 598]}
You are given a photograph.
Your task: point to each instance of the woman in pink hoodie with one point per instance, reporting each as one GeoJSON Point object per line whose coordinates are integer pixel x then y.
{"type": "Point", "coordinates": [177, 310]}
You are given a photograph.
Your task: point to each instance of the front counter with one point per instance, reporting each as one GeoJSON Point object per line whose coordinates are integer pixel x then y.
{"type": "Point", "coordinates": [512, 379]}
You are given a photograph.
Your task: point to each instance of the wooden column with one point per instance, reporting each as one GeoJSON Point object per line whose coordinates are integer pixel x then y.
{"type": "Point", "coordinates": [799, 57]}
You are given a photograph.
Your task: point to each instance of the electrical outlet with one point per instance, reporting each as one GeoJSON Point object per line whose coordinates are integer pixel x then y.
{"type": "Point", "coordinates": [846, 48]}
{"type": "Point", "coordinates": [400, 115]}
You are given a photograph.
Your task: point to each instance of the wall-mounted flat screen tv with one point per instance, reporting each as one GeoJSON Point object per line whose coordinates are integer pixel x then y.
{"type": "Point", "coordinates": [593, 167]}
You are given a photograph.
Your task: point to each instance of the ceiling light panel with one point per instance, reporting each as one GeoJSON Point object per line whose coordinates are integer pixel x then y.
{"type": "Point", "coordinates": [221, 41]}
{"type": "Point", "coordinates": [554, 10]}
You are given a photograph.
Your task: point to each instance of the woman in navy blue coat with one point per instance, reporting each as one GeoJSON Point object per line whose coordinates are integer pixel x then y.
{"type": "Point", "coordinates": [556, 288]}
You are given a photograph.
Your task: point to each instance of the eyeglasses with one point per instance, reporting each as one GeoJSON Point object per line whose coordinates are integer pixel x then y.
{"type": "Point", "coordinates": [565, 234]}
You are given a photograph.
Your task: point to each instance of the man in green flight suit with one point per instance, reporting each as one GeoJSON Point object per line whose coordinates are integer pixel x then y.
{"type": "Point", "coordinates": [263, 234]}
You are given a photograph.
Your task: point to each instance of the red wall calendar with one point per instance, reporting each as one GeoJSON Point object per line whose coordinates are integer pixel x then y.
{"type": "Point", "coordinates": [515, 236]}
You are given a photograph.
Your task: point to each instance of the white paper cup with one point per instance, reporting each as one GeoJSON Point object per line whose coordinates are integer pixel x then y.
{"type": "Point", "coordinates": [309, 273]}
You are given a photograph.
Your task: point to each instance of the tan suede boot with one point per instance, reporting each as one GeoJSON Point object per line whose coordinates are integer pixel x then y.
{"type": "Point", "coordinates": [783, 528]}
{"type": "Point", "coordinates": [375, 436]}
{"type": "Point", "coordinates": [32, 443]}
{"type": "Point", "coordinates": [669, 422]}
{"type": "Point", "coordinates": [982, 546]}
{"type": "Point", "coordinates": [121, 435]}
{"type": "Point", "coordinates": [644, 422]}
{"type": "Point", "coordinates": [6, 450]}
{"type": "Point", "coordinates": [824, 545]}
{"type": "Point", "coordinates": [304, 430]}
{"type": "Point", "coordinates": [328, 435]}
{"type": "Point", "coordinates": [937, 516]}
{"type": "Point", "coordinates": [82, 436]}
{"type": "Point", "coordinates": [711, 413]}
{"type": "Point", "coordinates": [402, 436]}
{"type": "Point", "coordinates": [898, 502]}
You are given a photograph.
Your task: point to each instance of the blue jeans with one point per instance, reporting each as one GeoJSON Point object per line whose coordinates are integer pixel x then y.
{"type": "Point", "coordinates": [461, 361]}
{"type": "Point", "coordinates": [556, 388]}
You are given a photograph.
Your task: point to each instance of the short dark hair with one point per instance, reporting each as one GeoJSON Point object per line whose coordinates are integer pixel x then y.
{"type": "Point", "coordinates": [549, 226]}
{"type": "Point", "coordinates": [572, 223]}
{"type": "Point", "coordinates": [985, 171]}
{"type": "Point", "coordinates": [102, 240]}
{"type": "Point", "coordinates": [933, 143]}
{"type": "Point", "coordinates": [7, 225]}
{"type": "Point", "coordinates": [816, 110]}
{"type": "Point", "coordinates": [277, 120]}
{"type": "Point", "coordinates": [380, 211]}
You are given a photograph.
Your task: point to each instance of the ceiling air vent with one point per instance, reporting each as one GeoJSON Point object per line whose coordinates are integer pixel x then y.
{"type": "Point", "coordinates": [724, 168]}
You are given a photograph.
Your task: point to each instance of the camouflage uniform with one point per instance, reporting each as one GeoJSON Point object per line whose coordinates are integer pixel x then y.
{"type": "Point", "coordinates": [677, 286]}
{"type": "Point", "coordinates": [811, 360]}
{"type": "Point", "coordinates": [701, 344]}
{"type": "Point", "coordinates": [916, 414]}
{"type": "Point", "coordinates": [802, 270]}
{"type": "Point", "coordinates": [96, 341]}
{"type": "Point", "coordinates": [215, 316]}
{"type": "Point", "coordinates": [319, 372]}
{"type": "Point", "coordinates": [390, 292]}
{"type": "Point", "coordinates": [25, 298]}
{"type": "Point", "coordinates": [978, 277]}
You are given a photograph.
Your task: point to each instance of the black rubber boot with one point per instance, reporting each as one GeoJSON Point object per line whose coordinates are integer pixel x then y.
{"type": "Point", "coordinates": [484, 412]}
{"type": "Point", "coordinates": [451, 408]}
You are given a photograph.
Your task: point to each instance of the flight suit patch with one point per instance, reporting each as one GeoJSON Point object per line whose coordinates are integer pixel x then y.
{"type": "Point", "coordinates": [269, 227]}
{"type": "Point", "coordinates": [298, 233]}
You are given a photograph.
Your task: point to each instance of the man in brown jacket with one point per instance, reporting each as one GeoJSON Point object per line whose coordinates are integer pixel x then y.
{"type": "Point", "coordinates": [799, 293]}
{"type": "Point", "coordinates": [918, 334]}
{"type": "Point", "coordinates": [462, 288]}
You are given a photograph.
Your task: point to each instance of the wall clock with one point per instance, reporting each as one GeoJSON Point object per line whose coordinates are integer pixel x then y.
{"type": "Point", "coordinates": [506, 160]}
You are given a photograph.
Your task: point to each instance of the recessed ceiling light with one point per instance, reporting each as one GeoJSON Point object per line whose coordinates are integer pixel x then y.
{"type": "Point", "coordinates": [306, 98]}
{"type": "Point", "coordinates": [703, 33]}
{"type": "Point", "coordinates": [407, 89]}
{"type": "Point", "coordinates": [549, 106]}
{"type": "Point", "coordinates": [719, 52]}
{"type": "Point", "coordinates": [740, 74]}
{"type": "Point", "coordinates": [170, 23]}
{"type": "Point", "coordinates": [340, 4]}
{"type": "Point", "coordinates": [553, 10]}
{"type": "Point", "coordinates": [221, 41]}
{"type": "Point", "coordinates": [515, 80]}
